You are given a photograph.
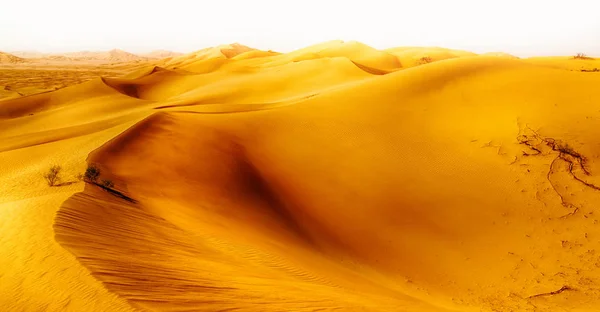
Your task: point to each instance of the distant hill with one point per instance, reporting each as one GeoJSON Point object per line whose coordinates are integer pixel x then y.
{"type": "Point", "coordinates": [28, 54]}
{"type": "Point", "coordinates": [500, 54]}
{"type": "Point", "coordinates": [60, 58]}
{"type": "Point", "coordinates": [114, 55]}
{"type": "Point", "coordinates": [161, 54]}
{"type": "Point", "coordinates": [117, 55]}
{"type": "Point", "coordinates": [6, 58]}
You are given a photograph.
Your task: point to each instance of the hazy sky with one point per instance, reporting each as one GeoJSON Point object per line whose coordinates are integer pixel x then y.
{"type": "Point", "coordinates": [520, 27]}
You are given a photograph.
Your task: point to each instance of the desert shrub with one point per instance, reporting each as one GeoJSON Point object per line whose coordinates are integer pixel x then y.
{"type": "Point", "coordinates": [425, 60]}
{"type": "Point", "coordinates": [92, 173]}
{"type": "Point", "coordinates": [581, 56]}
{"type": "Point", "coordinates": [108, 183]}
{"type": "Point", "coordinates": [53, 175]}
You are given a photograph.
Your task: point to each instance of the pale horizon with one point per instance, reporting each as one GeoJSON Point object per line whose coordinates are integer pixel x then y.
{"type": "Point", "coordinates": [533, 28]}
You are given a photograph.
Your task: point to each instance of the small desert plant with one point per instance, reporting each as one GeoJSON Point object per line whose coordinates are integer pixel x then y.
{"type": "Point", "coordinates": [52, 176]}
{"type": "Point", "coordinates": [108, 183]}
{"type": "Point", "coordinates": [581, 56]}
{"type": "Point", "coordinates": [425, 60]}
{"type": "Point", "coordinates": [92, 173]}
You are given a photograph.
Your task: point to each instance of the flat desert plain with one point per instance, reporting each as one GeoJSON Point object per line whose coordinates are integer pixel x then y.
{"type": "Point", "coordinates": [336, 177]}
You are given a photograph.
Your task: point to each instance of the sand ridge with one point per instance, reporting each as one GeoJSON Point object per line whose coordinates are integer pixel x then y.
{"type": "Point", "coordinates": [335, 177]}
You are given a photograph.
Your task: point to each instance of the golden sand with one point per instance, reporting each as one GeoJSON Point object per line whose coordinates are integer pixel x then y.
{"type": "Point", "coordinates": [332, 178]}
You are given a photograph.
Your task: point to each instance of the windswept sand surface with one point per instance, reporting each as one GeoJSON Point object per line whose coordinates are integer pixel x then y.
{"type": "Point", "coordinates": [332, 178]}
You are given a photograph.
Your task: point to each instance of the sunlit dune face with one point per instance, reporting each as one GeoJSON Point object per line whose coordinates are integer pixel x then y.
{"type": "Point", "coordinates": [335, 177]}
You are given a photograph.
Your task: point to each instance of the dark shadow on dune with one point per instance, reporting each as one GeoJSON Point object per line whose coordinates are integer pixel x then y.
{"type": "Point", "coordinates": [256, 184]}
{"type": "Point", "coordinates": [118, 194]}
{"type": "Point", "coordinates": [114, 192]}
{"type": "Point", "coordinates": [130, 90]}
{"type": "Point", "coordinates": [371, 70]}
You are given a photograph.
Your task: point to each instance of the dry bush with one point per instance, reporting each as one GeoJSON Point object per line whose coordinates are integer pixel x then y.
{"type": "Point", "coordinates": [92, 173]}
{"type": "Point", "coordinates": [425, 60]}
{"type": "Point", "coordinates": [581, 56]}
{"type": "Point", "coordinates": [53, 175]}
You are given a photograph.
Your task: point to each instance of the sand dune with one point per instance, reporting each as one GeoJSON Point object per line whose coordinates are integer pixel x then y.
{"type": "Point", "coordinates": [414, 56]}
{"type": "Point", "coordinates": [255, 54]}
{"type": "Point", "coordinates": [242, 86]}
{"type": "Point", "coordinates": [354, 51]}
{"type": "Point", "coordinates": [332, 178]}
{"type": "Point", "coordinates": [220, 52]}
{"type": "Point", "coordinates": [362, 54]}
{"type": "Point", "coordinates": [568, 63]}
{"type": "Point", "coordinates": [500, 54]}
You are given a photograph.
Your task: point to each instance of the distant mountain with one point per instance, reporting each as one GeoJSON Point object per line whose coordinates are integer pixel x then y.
{"type": "Point", "coordinates": [117, 55]}
{"type": "Point", "coordinates": [28, 54]}
{"type": "Point", "coordinates": [79, 54]}
{"type": "Point", "coordinates": [58, 58]}
{"type": "Point", "coordinates": [120, 56]}
{"type": "Point", "coordinates": [114, 55]}
{"type": "Point", "coordinates": [500, 54]}
{"type": "Point", "coordinates": [161, 54]}
{"type": "Point", "coordinates": [6, 58]}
